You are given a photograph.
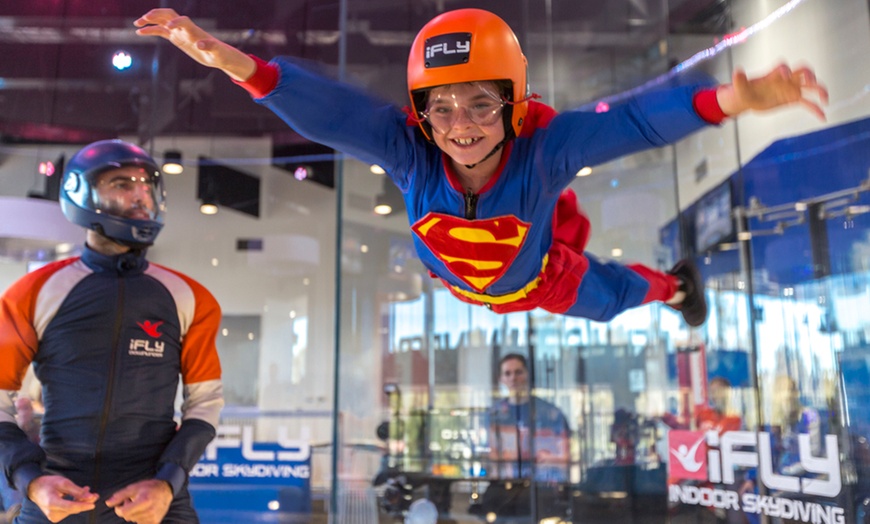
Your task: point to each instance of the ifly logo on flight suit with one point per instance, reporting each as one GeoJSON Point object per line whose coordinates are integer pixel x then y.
{"type": "Point", "coordinates": [148, 348]}
{"type": "Point", "coordinates": [476, 251]}
{"type": "Point", "coordinates": [449, 49]}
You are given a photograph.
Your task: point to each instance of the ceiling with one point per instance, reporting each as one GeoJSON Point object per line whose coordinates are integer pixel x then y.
{"type": "Point", "coordinates": [57, 83]}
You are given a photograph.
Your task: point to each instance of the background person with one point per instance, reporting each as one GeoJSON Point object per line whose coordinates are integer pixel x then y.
{"type": "Point", "coordinates": [109, 334]}
{"type": "Point", "coordinates": [510, 428]}
{"type": "Point", "coordinates": [528, 436]}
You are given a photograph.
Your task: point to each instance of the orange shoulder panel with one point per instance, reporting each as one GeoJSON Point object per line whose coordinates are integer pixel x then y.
{"type": "Point", "coordinates": [199, 356]}
{"type": "Point", "coordinates": [18, 337]}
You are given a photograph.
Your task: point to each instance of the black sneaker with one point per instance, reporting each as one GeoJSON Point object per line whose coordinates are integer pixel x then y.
{"type": "Point", "coordinates": [694, 305]}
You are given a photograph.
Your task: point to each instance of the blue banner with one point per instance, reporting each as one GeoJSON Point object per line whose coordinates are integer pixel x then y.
{"type": "Point", "coordinates": [238, 478]}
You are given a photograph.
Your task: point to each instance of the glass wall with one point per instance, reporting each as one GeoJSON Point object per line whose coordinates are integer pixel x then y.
{"type": "Point", "coordinates": [360, 390]}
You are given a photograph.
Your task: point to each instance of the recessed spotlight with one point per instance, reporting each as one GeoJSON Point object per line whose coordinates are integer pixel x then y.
{"type": "Point", "coordinates": [172, 162]}
{"type": "Point", "coordinates": [207, 208]}
{"type": "Point", "coordinates": [122, 60]}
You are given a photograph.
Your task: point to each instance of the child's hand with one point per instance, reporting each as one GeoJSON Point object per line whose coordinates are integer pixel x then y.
{"type": "Point", "coordinates": [780, 87]}
{"type": "Point", "coordinates": [196, 42]}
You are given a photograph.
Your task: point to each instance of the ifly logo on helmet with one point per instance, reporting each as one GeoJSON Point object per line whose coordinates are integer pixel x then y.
{"type": "Point", "coordinates": [709, 456]}
{"type": "Point", "coordinates": [449, 49]}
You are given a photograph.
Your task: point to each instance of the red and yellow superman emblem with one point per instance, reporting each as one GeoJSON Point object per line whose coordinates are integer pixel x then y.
{"type": "Point", "coordinates": [476, 251]}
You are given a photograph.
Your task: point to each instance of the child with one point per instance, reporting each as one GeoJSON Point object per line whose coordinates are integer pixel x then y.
{"type": "Point", "coordinates": [484, 168]}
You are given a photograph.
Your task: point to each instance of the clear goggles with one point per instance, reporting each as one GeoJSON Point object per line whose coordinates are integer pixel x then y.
{"type": "Point", "coordinates": [476, 102]}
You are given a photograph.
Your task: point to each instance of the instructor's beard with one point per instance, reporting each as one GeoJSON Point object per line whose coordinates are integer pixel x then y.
{"type": "Point", "coordinates": [136, 211]}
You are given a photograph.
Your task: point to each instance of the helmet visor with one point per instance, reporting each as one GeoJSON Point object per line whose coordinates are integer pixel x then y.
{"type": "Point", "coordinates": [478, 102]}
{"type": "Point", "coordinates": [130, 192]}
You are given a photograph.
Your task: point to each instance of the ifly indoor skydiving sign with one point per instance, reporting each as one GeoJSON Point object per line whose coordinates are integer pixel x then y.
{"type": "Point", "coordinates": [234, 455]}
{"type": "Point", "coordinates": [712, 458]}
{"type": "Point", "coordinates": [239, 479]}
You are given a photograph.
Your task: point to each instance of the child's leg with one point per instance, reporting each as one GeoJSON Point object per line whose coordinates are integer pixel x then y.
{"type": "Point", "coordinates": [610, 288]}
{"type": "Point", "coordinates": [662, 286]}
{"type": "Point", "coordinates": [607, 289]}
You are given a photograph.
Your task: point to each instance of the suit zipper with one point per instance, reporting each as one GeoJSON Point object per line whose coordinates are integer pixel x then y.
{"type": "Point", "coordinates": [110, 386]}
{"type": "Point", "coordinates": [471, 214]}
{"type": "Point", "coordinates": [470, 205]}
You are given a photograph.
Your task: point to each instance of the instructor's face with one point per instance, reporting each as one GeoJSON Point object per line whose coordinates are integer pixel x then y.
{"type": "Point", "coordinates": [127, 192]}
{"type": "Point", "coordinates": [514, 376]}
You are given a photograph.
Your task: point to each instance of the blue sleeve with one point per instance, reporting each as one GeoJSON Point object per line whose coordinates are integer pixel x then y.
{"type": "Point", "coordinates": [564, 422]}
{"type": "Point", "coordinates": [22, 460]}
{"type": "Point", "coordinates": [577, 139]}
{"type": "Point", "coordinates": [184, 451]}
{"type": "Point", "coordinates": [560, 422]}
{"type": "Point", "coordinates": [343, 117]}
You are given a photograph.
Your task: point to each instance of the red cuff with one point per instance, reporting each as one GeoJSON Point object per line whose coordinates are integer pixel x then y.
{"type": "Point", "coordinates": [264, 79]}
{"type": "Point", "coordinates": [707, 106]}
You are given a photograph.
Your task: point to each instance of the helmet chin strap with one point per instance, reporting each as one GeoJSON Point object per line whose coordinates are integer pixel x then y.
{"type": "Point", "coordinates": [494, 150]}
{"type": "Point", "coordinates": [135, 247]}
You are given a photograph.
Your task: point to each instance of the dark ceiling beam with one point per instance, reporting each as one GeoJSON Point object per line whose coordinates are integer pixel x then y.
{"type": "Point", "coordinates": [43, 133]}
{"type": "Point", "coordinates": [62, 84]}
{"type": "Point", "coordinates": [699, 16]}
{"type": "Point", "coordinates": [27, 30]}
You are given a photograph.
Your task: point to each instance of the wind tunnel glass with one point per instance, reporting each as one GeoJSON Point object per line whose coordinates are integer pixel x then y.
{"type": "Point", "coordinates": [129, 192]}
{"type": "Point", "coordinates": [476, 101]}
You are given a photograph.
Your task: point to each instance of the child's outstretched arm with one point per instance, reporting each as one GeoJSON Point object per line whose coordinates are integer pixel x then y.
{"type": "Point", "coordinates": [780, 87]}
{"type": "Point", "coordinates": [196, 42]}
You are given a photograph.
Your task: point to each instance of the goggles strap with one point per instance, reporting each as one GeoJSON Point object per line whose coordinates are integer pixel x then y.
{"type": "Point", "coordinates": [412, 117]}
{"type": "Point", "coordinates": [533, 96]}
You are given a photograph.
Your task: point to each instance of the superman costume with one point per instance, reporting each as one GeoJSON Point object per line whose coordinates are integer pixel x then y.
{"type": "Point", "coordinates": [519, 242]}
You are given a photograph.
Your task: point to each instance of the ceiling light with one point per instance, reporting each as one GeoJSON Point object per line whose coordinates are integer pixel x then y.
{"type": "Point", "coordinates": [46, 168]}
{"type": "Point", "coordinates": [389, 200]}
{"type": "Point", "coordinates": [302, 172]}
{"type": "Point", "coordinates": [376, 169]}
{"type": "Point", "coordinates": [383, 204]}
{"type": "Point", "coordinates": [586, 171]}
{"type": "Point", "coordinates": [122, 60]}
{"type": "Point", "coordinates": [172, 162]}
{"type": "Point", "coordinates": [208, 208]}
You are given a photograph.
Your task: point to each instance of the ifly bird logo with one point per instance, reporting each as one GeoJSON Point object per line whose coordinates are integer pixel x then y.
{"type": "Point", "coordinates": [151, 328]}
{"type": "Point", "coordinates": [689, 451]}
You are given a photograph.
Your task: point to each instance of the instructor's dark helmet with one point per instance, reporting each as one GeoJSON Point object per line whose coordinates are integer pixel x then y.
{"type": "Point", "coordinates": [82, 205]}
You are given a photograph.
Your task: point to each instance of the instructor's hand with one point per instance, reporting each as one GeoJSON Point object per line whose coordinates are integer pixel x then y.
{"type": "Point", "coordinates": [58, 497]}
{"type": "Point", "coordinates": [143, 502]}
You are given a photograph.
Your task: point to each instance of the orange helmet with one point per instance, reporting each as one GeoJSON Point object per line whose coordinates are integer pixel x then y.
{"type": "Point", "coordinates": [468, 45]}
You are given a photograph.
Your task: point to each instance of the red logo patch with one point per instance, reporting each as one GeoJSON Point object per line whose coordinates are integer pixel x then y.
{"type": "Point", "coordinates": [477, 251]}
{"type": "Point", "coordinates": [688, 455]}
{"type": "Point", "coordinates": [151, 328]}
